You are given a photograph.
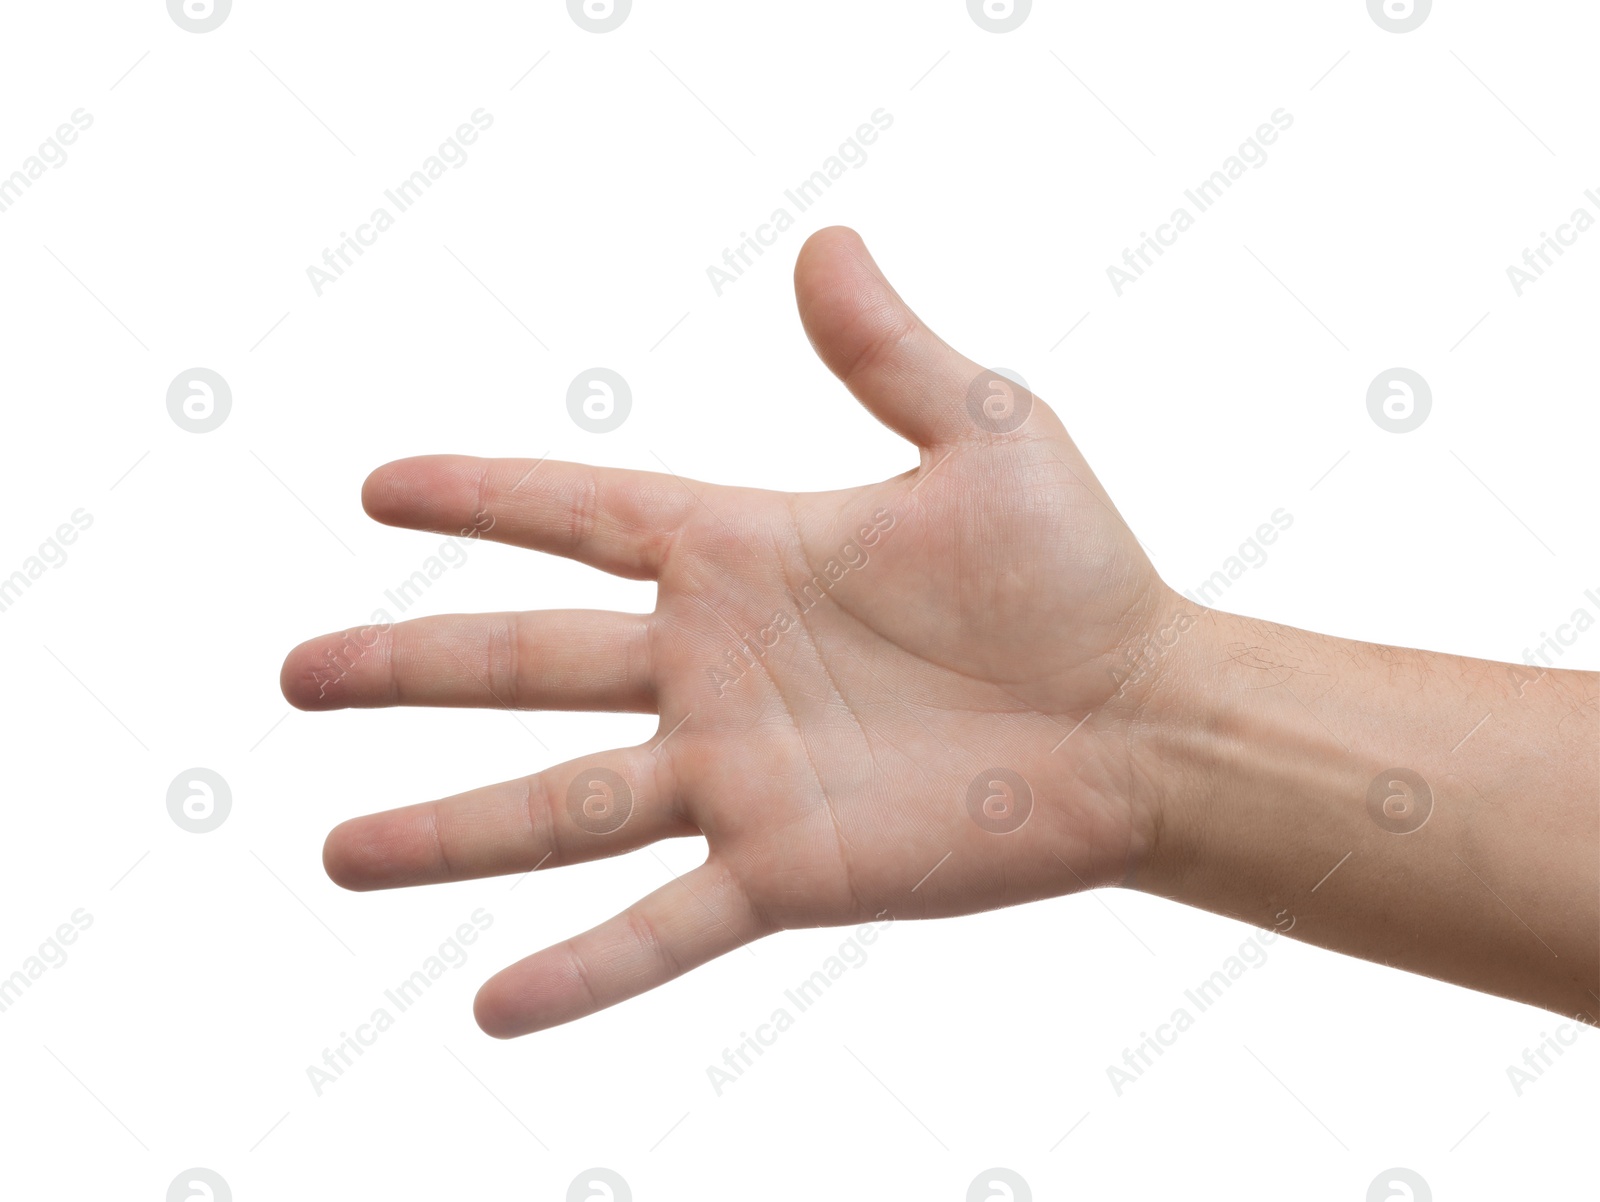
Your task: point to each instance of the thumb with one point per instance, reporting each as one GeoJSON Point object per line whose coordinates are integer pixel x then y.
{"type": "Point", "coordinates": [903, 372]}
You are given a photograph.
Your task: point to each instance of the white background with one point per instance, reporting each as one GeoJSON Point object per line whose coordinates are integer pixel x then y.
{"type": "Point", "coordinates": [1229, 382]}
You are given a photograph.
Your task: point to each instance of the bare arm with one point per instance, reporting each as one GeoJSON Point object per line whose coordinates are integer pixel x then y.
{"type": "Point", "coordinates": [1430, 812]}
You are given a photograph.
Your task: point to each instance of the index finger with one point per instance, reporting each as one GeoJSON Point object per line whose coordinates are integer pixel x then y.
{"type": "Point", "coordinates": [617, 520]}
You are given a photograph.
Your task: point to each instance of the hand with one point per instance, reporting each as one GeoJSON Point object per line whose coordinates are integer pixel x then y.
{"type": "Point", "coordinates": [910, 699]}
{"type": "Point", "coordinates": [958, 689]}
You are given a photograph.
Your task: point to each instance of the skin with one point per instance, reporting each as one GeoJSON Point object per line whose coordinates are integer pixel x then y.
{"type": "Point", "coordinates": [988, 610]}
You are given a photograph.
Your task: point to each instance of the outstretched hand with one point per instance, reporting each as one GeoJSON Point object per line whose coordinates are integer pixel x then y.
{"type": "Point", "coordinates": [855, 688]}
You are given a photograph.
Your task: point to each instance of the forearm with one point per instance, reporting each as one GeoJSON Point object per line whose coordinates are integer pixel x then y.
{"type": "Point", "coordinates": [1273, 751]}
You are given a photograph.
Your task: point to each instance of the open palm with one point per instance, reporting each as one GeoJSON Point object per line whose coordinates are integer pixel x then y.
{"type": "Point", "coordinates": [908, 699]}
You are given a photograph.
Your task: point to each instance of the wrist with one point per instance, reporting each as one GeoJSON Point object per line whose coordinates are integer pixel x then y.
{"type": "Point", "coordinates": [1158, 727]}
{"type": "Point", "coordinates": [1407, 807]}
{"type": "Point", "coordinates": [1245, 785]}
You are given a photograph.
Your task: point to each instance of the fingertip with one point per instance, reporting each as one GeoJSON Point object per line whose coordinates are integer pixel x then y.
{"type": "Point", "coordinates": [820, 248]}
{"type": "Point", "coordinates": [836, 277]}
{"type": "Point", "coordinates": [341, 860]}
{"type": "Point", "coordinates": [388, 850]}
{"type": "Point", "coordinates": [382, 490]}
{"type": "Point", "coordinates": [496, 1015]}
{"type": "Point", "coordinates": [426, 492]}
{"type": "Point", "coordinates": [867, 335]}
{"type": "Point", "coordinates": [298, 678]}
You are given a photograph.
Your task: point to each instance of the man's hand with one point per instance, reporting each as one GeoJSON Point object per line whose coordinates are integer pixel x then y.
{"type": "Point", "coordinates": [854, 687]}
{"type": "Point", "coordinates": [962, 688]}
